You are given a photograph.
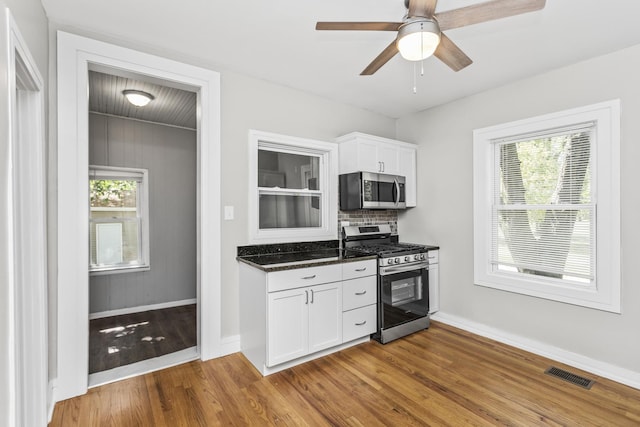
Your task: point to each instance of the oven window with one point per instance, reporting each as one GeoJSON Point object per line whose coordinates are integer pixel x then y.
{"type": "Point", "coordinates": [405, 297]}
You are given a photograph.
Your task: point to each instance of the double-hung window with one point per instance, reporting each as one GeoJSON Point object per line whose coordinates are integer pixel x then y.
{"type": "Point", "coordinates": [546, 206]}
{"type": "Point", "coordinates": [118, 220]}
{"type": "Point", "coordinates": [292, 188]}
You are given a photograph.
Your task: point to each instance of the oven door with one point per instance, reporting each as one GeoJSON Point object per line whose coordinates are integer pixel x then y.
{"type": "Point", "coordinates": [403, 294]}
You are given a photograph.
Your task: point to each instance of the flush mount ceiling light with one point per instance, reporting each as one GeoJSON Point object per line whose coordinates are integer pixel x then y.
{"type": "Point", "coordinates": [138, 97]}
{"type": "Point", "coordinates": [418, 39]}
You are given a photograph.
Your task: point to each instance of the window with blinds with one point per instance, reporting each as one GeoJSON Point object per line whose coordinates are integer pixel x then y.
{"type": "Point", "coordinates": [546, 206]}
{"type": "Point", "coordinates": [542, 219]}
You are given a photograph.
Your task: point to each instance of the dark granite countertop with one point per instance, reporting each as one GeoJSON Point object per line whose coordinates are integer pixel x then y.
{"type": "Point", "coordinates": [287, 256]}
{"type": "Point", "coordinates": [311, 258]}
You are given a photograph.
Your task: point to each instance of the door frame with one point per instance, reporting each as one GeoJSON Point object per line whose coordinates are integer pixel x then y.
{"type": "Point", "coordinates": [76, 56]}
{"type": "Point", "coordinates": [27, 284]}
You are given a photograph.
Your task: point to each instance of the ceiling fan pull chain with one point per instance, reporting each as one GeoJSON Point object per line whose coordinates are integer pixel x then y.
{"type": "Point", "coordinates": [415, 79]}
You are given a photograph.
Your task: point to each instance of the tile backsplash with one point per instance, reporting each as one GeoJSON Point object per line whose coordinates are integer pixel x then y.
{"type": "Point", "coordinates": [369, 217]}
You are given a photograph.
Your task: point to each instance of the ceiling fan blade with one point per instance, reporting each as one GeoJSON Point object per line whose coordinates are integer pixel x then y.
{"type": "Point", "coordinates": [424, 8]}
{"type": "Point", "coordinates": [384, 57]}
{"type": "Point", "coordinates": [359, 26]}
{"type": "Point", "coordinates": [487, 11]}
{"type": "Point", "coordinates": [451, 54]}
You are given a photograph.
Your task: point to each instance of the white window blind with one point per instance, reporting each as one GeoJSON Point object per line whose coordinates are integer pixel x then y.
{"type": "Point", "coordinates": [543, 216]}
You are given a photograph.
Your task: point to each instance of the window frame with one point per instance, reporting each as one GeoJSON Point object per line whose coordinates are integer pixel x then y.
{"type": "Point", "coordinates": [328, 185]}
{"type": "Point", "coordinates": [142, 214]}
{"type": "Point", "coordinates": [604, 291]}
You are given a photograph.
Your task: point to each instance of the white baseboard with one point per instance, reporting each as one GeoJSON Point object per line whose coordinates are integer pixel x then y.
{"type": "Point", "coordinates": [229, 345]}
{"type": "Point", "coordinates": [597, 367]}
{"type": "Point", "coordinates": [51, 399]}
{"type": "Point", "coordinates": [141, 308]}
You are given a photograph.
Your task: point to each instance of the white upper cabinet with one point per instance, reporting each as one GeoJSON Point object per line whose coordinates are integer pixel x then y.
{"type": "Point", "coordinates": [360, 152]}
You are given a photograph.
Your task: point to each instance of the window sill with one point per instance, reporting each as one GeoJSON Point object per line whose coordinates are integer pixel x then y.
{"type": "Point", "coordinates": [118, 270]}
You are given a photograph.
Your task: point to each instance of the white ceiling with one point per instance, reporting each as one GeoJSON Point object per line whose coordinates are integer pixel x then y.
{"type": "Point", "coordinates": [275, 40]}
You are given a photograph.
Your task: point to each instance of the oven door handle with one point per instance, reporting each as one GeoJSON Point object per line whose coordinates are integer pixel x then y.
{"type": "Point", "coordinates": [392, 269]}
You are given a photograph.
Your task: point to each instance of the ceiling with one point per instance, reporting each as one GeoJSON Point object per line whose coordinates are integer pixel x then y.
{"type": "Point", "coordinates": [170, 106]}
{"type": "Point", "coordinates": [276, 41]}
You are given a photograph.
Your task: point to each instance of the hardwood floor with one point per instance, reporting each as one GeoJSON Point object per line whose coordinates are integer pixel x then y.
{"type": "Point", "coordinates": [121, 340]}
{"type": "Point", "coordinates": [441, 376]}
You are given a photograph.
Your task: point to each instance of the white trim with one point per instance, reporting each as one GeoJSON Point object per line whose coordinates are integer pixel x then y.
{"type": "Point", "coordinates": [605, 295]}
{"type": "Point", "coordinates": [597, 367]}
{"type": "Point", "coordinates": [141, 308]}
{"type": "Point", "coordinates": [28, 362]}
{"type": "Point", "coordinates": [143, 367]}
{"type": "Point", "coordinates": [75, 56]}
{"type": "Point", "coordinates": [328, 153]}
{"type": "Point", "coordinates": [230, 344]}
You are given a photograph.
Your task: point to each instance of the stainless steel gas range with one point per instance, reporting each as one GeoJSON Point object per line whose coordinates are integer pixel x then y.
{"type": "Point", "coordinates": [403, 279]}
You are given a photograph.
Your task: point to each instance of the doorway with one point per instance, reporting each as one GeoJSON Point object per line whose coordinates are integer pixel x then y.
{"type": "Point", "coordinates": [26, 225]}
{"type": "Point", "coordinates": [142, 224]}
{"type": "Point", "coordinates": [76, 57]}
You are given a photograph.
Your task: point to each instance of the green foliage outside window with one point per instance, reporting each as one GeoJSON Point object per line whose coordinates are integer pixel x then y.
{"type": "Point", "coordinates": [112, 193]}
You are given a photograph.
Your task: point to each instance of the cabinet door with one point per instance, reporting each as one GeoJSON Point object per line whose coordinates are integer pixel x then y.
{"type": "Point", "coordinates": [388, 157]}
{"type": "Point", "coordinates": [287, 325]}
{"type": "Point", "coordinates": [434, 288]}
{"type": "Point", "coordinates": [407, 168]}
{"type": "Point", "coordinates": [325, 316]}
{"type": "Point", "coordinates": [368, 159]}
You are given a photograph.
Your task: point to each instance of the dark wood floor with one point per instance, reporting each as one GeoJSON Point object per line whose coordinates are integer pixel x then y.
{"type": "Point", "coordinates": [442, 376]}
{"type": "Point", "coordinates": [121, 340]}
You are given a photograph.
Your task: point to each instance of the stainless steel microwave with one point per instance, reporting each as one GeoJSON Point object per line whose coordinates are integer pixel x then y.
{"type": "Point", "coordinates": [365, 190]}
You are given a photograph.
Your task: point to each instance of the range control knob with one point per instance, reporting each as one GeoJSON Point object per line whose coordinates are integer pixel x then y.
{"type": "Point", "coordinates": [390, 261]}
{"type": "Point", "coordinates": [416, 257]}
{"type": "Point", "coordinates": [423, 256]}
{"type": "Point", "coordinates": [407, 258]}
{"type": "Point", "coordinates": [396, 260]}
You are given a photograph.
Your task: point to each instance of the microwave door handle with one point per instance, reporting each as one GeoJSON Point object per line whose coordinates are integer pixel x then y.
{"type": "Point", "coordinates": [396, 198]}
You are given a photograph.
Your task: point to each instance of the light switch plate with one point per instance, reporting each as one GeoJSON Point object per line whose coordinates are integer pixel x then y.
{"type": "Point", "coordinates": [228, 212]}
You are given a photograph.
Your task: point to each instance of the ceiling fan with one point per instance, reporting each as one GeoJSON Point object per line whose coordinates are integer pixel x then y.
{"type": "Point", "coordinates": [420, 32]}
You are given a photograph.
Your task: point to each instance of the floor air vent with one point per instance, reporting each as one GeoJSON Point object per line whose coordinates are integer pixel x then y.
{"type": "Point", "coordinates": [568, 376]}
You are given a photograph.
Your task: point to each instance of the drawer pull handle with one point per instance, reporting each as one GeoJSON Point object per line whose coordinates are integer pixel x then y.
{"type": "Point", "coordinates": [361, 293]}
{"type": "Point", "coordinates": [361, 269]}
{"type": "Point", "coordinates": [309, 277]}
{"type": "Point", "coordinates": [361, 323]}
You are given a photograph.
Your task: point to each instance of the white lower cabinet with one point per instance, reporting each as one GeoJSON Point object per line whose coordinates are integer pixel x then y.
{"type": "Point", "coordinates": [302, 321]}
{"type": "Point", "coordinates": [288, 317]}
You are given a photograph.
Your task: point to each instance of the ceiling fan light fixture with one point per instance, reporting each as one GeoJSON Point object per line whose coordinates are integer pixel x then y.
{"type": "Point", "coordinates": [417, 40]}
{"type": "Point", "coordinates": [138, 97]}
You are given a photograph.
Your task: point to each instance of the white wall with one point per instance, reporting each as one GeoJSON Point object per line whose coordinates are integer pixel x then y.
{"type": "Point", "coordinates": [32, 23]}
{"type": "Point", "coordinates": [445, 206]}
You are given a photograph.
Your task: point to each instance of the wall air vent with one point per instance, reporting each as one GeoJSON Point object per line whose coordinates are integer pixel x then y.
{"type": "Point", "coordinates": [569, 377]}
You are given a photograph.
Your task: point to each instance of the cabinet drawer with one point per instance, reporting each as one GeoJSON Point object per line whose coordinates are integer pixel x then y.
{"type": "Point", "coordinates": [306, 276]}
{"type": "Point", "coordinates": [358, 323]}
{"type": "Point", "coordinates": [351, 270]}
{"type": "Point", "coordinates": [359, 292]}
